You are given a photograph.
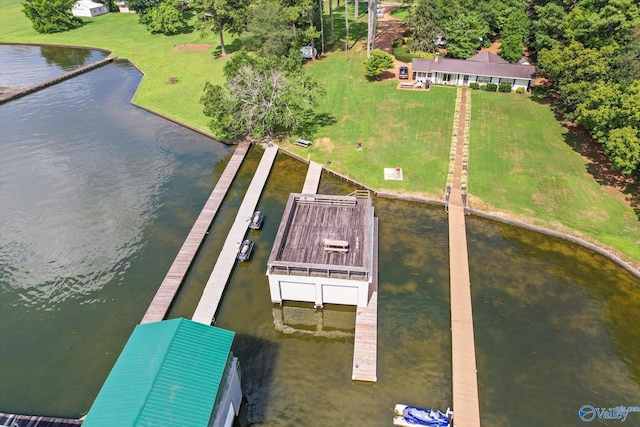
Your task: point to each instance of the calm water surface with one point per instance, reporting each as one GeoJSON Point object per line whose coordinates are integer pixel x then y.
{"type": "Point", "coordinates": [92, 212]}
{"type": "Point", "coordinates": [24, 65]}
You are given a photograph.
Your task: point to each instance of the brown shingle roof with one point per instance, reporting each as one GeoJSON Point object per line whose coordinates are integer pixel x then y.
{"type": "Point", "coordinates": [478, 68]}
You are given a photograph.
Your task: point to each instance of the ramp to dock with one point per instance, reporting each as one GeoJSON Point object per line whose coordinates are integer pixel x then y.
{"type": "Point", "coordinates": [312, 180]}
{"type": "Point", "coordinates": [365, 347]}
{"type": "Point", "coordinates": [212, 295]}
{"type": "Point", "coordinates": [178, 270]}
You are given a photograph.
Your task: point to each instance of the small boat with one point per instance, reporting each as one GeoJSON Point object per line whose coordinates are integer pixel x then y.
{"type": "Point", "coordinates": [245, 250]}
{"type": "Point", "coordinates": [412, 416]}
{"type": "Point", "coordinates": [256, 220]}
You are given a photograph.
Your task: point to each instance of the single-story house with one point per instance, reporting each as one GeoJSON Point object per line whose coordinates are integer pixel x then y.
{"type": "Point", "coordinates": [172, 373]}
{"type": "Point", "coordinates": [482, 68]}
{"type": "Point", "coordinates": [89, 8]}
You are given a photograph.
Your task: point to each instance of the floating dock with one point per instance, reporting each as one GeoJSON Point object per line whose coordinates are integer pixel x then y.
{"type": "Point", "coordinates": [365, 347]}
{"type": "Point", "coordinates": [178, 270]}
{"type": "Point", "coordinates": [212, 295]}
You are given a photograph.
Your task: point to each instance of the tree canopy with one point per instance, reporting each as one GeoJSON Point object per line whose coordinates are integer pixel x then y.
{"type": "Point", "coordinates": [261, 99]}
{"type": "Point", "coordinates": [51, 16]}
{"type": "Point", "coordinates": [166, 18]}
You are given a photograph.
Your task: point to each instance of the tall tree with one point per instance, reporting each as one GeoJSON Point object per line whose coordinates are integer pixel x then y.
{"type": "Point", "coordinates": [424, 26]}
{"type": "Point", "coordinates": [223, 15]}
{"type": "Point", "coordinates": [346, 28]}
{"type": "Point", "coordinates": [142, 8]}
{"type": "Point", "coordinates": [167, 18]}
{"type": "Point", "coordinates": [261, 100]}
{"type": "Point", "coordinates": [50, 16]}
{"type": "Point", "coordinates": [465, 34]}
{"type": "Point", "coordinates": [269, 30]}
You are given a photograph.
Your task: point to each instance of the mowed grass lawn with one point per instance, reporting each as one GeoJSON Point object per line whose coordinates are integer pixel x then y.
{"type": "Point", "coordinates": [152, 54]}
{"type": "Point", "coordinates": [521, 162]}
{"type": "Point", "coordinates": [410, 128]}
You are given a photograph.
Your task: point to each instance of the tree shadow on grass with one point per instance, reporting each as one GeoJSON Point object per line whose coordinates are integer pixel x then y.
{"type": "Point", "coordinates": [599, 166]}
{"type": "Point", "coordinates": [229, 48]}
{"type": "Point", "coordinates": [580, 140]}
{"type": "Point", "coordinates": [313, 122]}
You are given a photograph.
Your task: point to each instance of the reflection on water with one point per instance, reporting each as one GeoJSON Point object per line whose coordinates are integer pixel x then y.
{"type": "Point", "coordinates": [96, 198]}
{"type": "Point", "coordinates": [22, 66]}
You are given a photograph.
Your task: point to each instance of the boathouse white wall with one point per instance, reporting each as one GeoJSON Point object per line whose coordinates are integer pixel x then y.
{"type": "Point", "coordinates": [318, 290]}
{"type": "Point", "coordinates": [89, 8]}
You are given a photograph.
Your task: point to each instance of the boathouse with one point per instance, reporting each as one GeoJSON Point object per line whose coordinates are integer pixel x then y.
{"type": "Point", "coordinates": [171, 373]}
{"type": "Point", "coordinates": [323, 252]}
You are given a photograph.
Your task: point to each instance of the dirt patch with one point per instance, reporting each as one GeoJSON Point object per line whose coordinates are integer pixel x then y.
{"type": "Point", "coordinates": [325, 143]}
{"type": "Point", "coordinates": [192, 47]}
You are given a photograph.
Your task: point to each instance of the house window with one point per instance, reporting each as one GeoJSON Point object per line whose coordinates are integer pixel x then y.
{"type": "Point", "coordinates": [483, 80]}
{"type": "Point", "coordinates": [507, 82]}
{"type": "Point", "coordinates": [446, 78]}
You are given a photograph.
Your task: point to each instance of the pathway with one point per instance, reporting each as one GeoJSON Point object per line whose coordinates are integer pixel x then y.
{"type": "Point", "coordinates": [466, 408]}
{"type": "Point", "coordinates": [178, 270]}
{"type": "Point", "coordinates": [212, 295]}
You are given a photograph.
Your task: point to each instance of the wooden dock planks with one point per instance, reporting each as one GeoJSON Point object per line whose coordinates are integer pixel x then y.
{"type": "Point", "coordinates": [466, 408]}
{"type": "Point", "coordinates": [169, 287]}
{"type": "Point", "coordinates": [312, 180]}
{"type": "Point", "coordinates": [365, 347]}
{"type": "Point", "coordinates": [212, 295]}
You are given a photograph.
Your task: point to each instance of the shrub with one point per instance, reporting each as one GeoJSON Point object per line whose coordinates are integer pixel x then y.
{"type": "Point", "coordinates": [520, 90]}
{"type": "Point", "coordinates": [402, 54]}
{"type": "Point", "coordinates": [377, 63]}
{"type": "Point", "coordinates": [398, 43]}
{"type": "Point", "coordinates": [483, 87]}
{"type": "Point", "coordinates": [474, 85]}
{"type": "Point", "coordinates": [491, 87]}
{"type": "Point", "coordinates": [505, 88]}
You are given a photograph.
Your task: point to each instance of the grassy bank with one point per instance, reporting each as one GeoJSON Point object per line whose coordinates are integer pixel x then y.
{"type": "Point", "coordinates": [152, 54]}
{"type": "Point", "coordinates": [522, 162]}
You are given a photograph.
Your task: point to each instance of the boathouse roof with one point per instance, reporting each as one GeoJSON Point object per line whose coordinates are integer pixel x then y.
{"type": "Point", "coordinates": [168, 374]}
{"type": "Point", "coordinates": [310, 223]}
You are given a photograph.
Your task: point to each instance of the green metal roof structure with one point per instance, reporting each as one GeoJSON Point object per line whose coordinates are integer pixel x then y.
{"type": "Point", "coordinates": [168, 374]}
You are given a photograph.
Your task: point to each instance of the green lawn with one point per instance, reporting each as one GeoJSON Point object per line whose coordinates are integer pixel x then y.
{"type": "Point", "coordinates": [521, 161]}
{"type": "Point", "coordinates": [396, 127]}
{"type": "Point", "coordinates": [152, 54]}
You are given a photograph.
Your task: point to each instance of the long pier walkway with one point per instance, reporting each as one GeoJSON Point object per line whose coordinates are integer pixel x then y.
{"type": "Point", "coordinates": [365, 346]}
{"type": "Point", "coordinates": [312, 180]}
{"type": "Point", "coordinates": [178, 270]}
{"type": "Point", "coordinates": [212, 295]}
{"type": "Point", "coordinates": [466, 408]}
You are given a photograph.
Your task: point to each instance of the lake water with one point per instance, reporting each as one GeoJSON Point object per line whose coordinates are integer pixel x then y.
{"type": "Point", "coordinates": [96, 197]}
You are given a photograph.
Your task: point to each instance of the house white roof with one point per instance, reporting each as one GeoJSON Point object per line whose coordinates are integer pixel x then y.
{"type": "Point", "coordinates": [87, 4]}
{"type": "Point", "coordinates": [488, 64]}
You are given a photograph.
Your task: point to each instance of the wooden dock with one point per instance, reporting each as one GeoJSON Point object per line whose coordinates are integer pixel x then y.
{"type": "Point", "coordinates": [312, 181]}
{"type": "Point", "coordinates": [212, 295]}
{"type": "Point", "coordinates": [36, 421]}
{"type": "Point", "coordinates": [365, 347]}
{"type": "Point", "coordinates": [178, 270]}
{"type": "Point", "coordinates": [466, 408]}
